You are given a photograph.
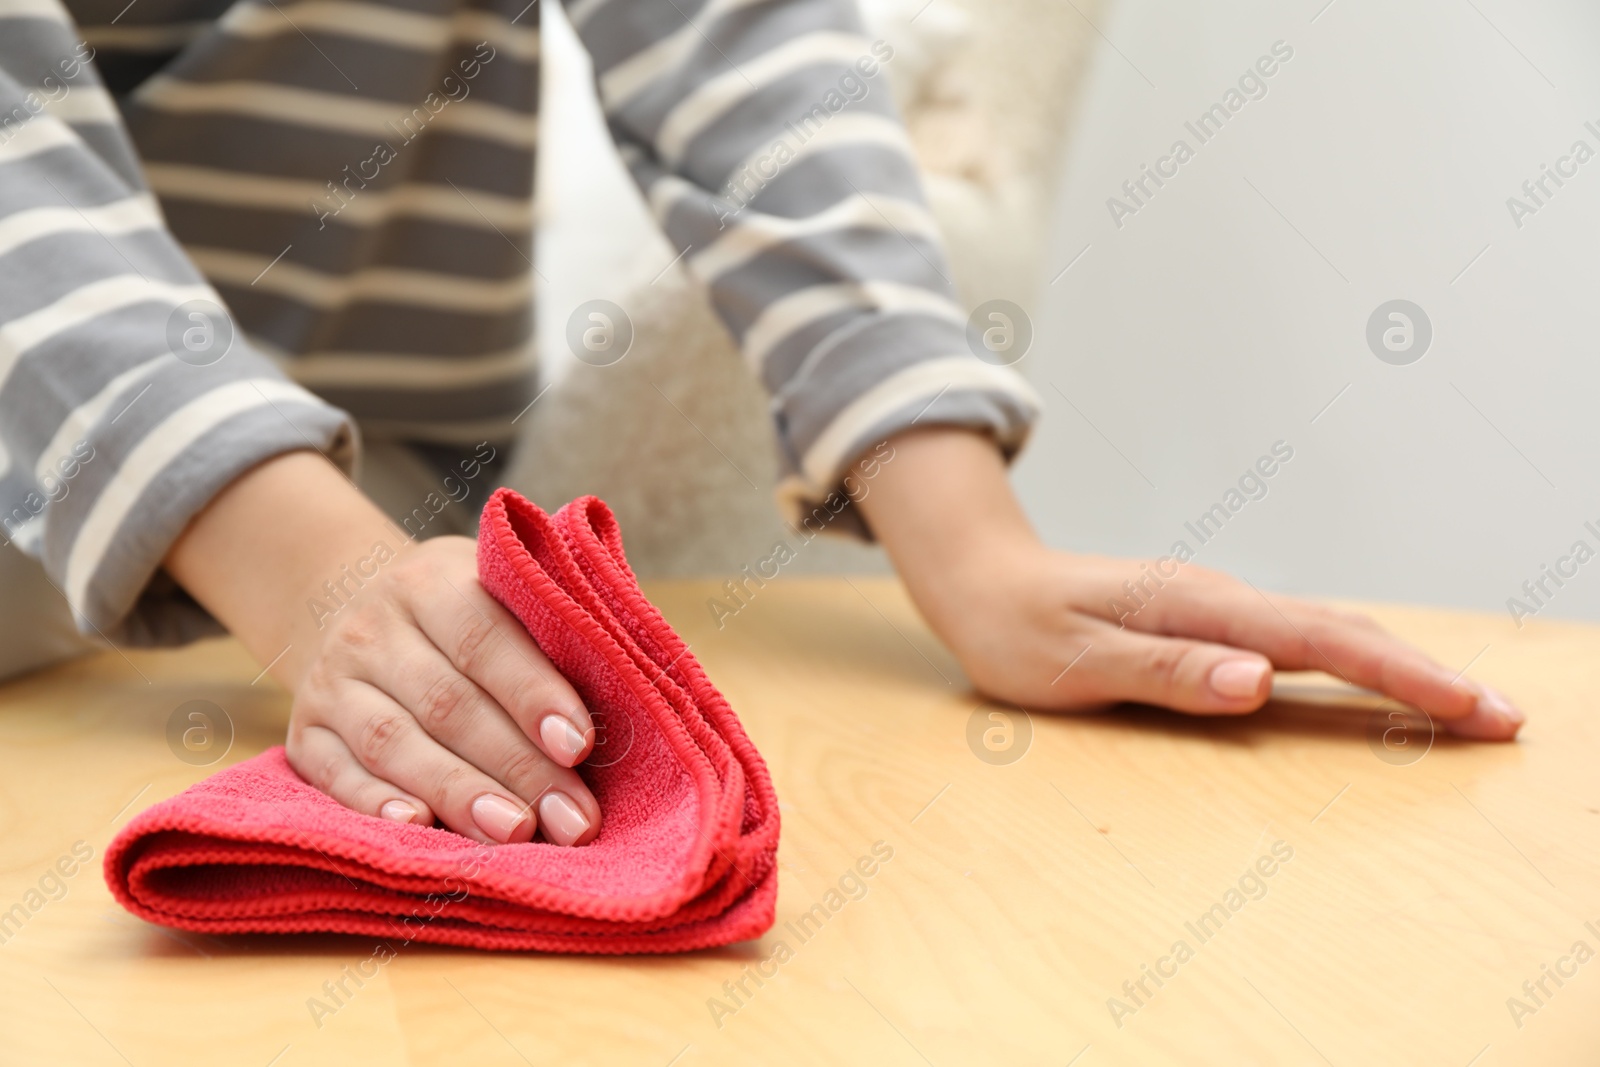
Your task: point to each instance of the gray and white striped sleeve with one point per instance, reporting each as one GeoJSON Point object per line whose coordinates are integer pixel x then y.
{"type": "Point", "coordinates": [766, 141]}
{"type": "Point", "coordinates": [109, 442]}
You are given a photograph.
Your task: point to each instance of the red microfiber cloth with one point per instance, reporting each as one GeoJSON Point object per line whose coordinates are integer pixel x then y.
{"type": "Point", "coordinates": [686, 857]}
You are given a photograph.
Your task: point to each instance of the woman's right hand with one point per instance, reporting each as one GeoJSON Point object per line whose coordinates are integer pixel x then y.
{"type": "Point", "coordinates": [426, 698]}
{"type": "Point", "coordinates": [417, 696]}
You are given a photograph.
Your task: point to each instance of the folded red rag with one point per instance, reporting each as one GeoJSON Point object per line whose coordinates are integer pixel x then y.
{"type": "Point", "coordinates": [685, 858]}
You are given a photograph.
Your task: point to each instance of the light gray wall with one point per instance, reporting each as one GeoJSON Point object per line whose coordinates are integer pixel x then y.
{"type": "Point", "coordinates": [1232, 308]}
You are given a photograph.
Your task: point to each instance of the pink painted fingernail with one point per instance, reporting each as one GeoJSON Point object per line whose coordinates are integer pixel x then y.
{"type": "Point", "coordinates": [500, 819]}
{"type": "Point", "coordinates": [561, 740]}
{"type": "Point", "coordinates": [1495, 703]}
{"type": "Point", "coordinates": [398, 811]}
{"type": "Point", "coordinates": [1238, 679]}
{"type": "Point", "coordinates": [562, 820]}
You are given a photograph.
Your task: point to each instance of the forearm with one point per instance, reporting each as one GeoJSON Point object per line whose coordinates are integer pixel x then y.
{"type": "Point", "coordinates": [259, 553]}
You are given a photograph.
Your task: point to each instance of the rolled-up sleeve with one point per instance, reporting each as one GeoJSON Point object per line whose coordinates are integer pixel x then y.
{"type": "Point", "coordinates": [765, 140]}
{"type": "Point", "coordinates": [127, 398]}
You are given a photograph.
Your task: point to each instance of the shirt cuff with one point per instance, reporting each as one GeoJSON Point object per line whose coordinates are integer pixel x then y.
{"type": "Point", "coordinates": [890, 390]}
{"type": "Point", "coordinates": [104, 542]}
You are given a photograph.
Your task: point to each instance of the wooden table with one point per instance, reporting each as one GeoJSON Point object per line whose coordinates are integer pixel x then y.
{"type": "Point", "coordinates": [1408, 898]}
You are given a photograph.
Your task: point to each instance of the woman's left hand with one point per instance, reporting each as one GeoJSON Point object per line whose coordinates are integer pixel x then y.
{"type": "Point", "coordinates": [1052, 630]}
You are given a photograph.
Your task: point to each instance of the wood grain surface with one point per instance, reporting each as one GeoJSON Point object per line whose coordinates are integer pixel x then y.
{"type": "Point", "coordinates": [1341, 895]}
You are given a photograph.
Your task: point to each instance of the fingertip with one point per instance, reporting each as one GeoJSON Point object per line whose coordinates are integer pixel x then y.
{"type": "Point", "coordinates": [502, 821]}
{"type": "Point", "coordinates": [1493, 718]}
{"type": "Point", "coordinates": [399, 811]}
{"type": "Point", "coordinates": [563, 741]}
{"type": "Point", "coordinates": [565, 821]}
{"type": "Point", "coordinates": [1242, 682]}
{"type": "Point", "coordinates": [1500, 705]}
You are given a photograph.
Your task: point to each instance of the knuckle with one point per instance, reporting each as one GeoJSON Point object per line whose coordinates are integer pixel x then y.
{"type": "Point", "coordinates": [446, 701]}
{"type": "Point", "coordinates": [1168, 664]}
{"type": "Point", "coordinates": [472, 647]}
{"type": "Point", "coordinates": [1356, 618]}
{"type": "Point", "coordinates": [1319, 629]}
{"type": "Point", "coordinates": [361, 631]}
{"type": "Point", "coordinates": [1162, 664]}
{"type": "Point", "coordinates": [367, 795]}
{"type": "Point", "coordinates": [358, 636]}
{"type": "Point", "coordinates": [320, 769]}
{"type": "Point", "coordinates": [313, 700]}
{"type": "Point", "coordinates": [294, 748]}
{"type": "Point", "coordinates": [453, 780]}
{"type": "Point", "coordinates": [526, 770]}
{"type": "Point", "coordinates": [1302, 648]}
{"type": "Point", "coordinates": [325, 771]}
{"type": "Point", "coordinates": [379, 736]}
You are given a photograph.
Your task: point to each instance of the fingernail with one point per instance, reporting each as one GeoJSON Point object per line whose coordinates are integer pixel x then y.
{"type": "Point", "coordinates": [1237, 679]}
{"type": "Point", "coordinates": [398, 811]}
{"type": "Point", "coordinates": [562, 820]}
{"type": "Point", "coordinates": [500, 819]}
{"type": "Point", "coordinates": [561, 739]}
{"type": "Point", "coordinates": [1496, 704]}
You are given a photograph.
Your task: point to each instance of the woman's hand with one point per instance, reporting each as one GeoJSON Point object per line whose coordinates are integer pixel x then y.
{"type": "Point", "coordinates": [1052, 630]}
{"type": "Point", "coordinates": [416, 695]}
{"type": "Point", "coordinates": [427, 698]}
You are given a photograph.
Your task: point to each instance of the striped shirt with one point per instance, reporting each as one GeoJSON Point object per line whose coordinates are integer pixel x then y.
{"type": "Point", "coordinates": [353, 181]}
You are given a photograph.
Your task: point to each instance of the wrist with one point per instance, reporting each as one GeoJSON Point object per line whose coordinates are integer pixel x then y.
{"type": "Point", "coordinates": [278, 551]}
{"type": "Point", "coordinates": [943, 508]}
